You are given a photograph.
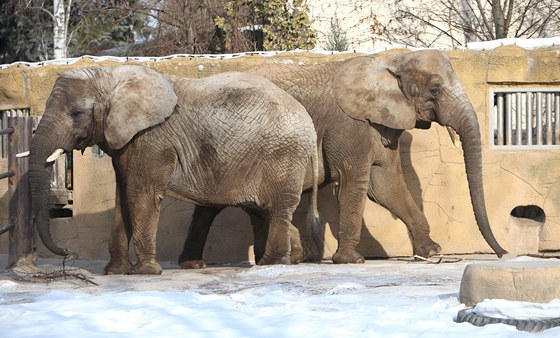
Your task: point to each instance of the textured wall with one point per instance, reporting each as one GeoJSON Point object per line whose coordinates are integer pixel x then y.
{"type": "Point", "coordinates": [433, 165]}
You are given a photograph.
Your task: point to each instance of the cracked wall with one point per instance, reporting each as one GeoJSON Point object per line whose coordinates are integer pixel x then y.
{"type": "Point", "coordinates": [433, 165]}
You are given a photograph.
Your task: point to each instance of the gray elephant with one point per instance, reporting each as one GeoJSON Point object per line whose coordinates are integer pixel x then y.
{"type": "Point", "coordinates": [360, 108]}
{"type": "Point", "coordinates": [232, 139]}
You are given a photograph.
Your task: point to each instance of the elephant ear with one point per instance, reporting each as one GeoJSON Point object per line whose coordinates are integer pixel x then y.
{"type": "Point", "coordinates": [370, 88]}
{"type": "Point", "coordinates": [142, 98]}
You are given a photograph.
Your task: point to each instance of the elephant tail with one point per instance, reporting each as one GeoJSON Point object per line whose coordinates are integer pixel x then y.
{"type": "Point", "coordinates": [315, 227]}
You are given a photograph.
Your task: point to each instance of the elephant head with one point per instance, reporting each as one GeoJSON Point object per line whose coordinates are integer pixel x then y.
{"type": "Point", "coordinates": [88, 106]}
{"type": "Point", "coordinates": [406, 90]}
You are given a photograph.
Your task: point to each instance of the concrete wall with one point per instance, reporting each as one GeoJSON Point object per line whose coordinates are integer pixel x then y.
{"type": "Point", "coordinates": [433, 165]}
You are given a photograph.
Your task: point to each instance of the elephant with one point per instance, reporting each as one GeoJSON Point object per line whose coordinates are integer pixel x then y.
{"type": "Point", "coordinates": [360, 108]}
{"type": "Point", "coordinates": [233, 139]}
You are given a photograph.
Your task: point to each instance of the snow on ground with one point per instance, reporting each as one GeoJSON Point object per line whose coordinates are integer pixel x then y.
{"type": "Point", "coordinates": [382, 298]}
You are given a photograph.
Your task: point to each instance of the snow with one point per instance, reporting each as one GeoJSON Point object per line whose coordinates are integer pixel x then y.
{"type": "Point", "coordinates": [382, 298]}
{"type": "Point", "coordinates": [523, 43]}
{"type": "Point", "coordinates": [483, 45]}
{"type": "Point", "coordinates": [501, 308]}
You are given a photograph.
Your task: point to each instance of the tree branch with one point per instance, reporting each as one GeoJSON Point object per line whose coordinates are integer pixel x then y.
{"type": "Point", "coordinates": [485, 20]}
{"type": "Point", "coordinates": [42, 9]}
{"type": "Point", "coordinates": [442, 32]}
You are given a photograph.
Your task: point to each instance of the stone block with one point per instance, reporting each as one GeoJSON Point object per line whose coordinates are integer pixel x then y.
{"type": "Point", "coordinates": [536, 281]}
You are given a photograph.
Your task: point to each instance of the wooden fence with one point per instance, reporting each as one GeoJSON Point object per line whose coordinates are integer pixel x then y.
{"type": "Point", "coordinates": [20, 227]}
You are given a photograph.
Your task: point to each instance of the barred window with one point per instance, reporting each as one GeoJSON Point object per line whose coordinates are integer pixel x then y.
{"type": "Point", "coordinates": [96, 151]}
{"type": "Point", "coordinates": [4, 114]}
{"type": "Point", "coordinates": [528, 117]}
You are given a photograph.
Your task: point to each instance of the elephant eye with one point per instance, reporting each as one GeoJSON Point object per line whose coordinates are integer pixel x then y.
{"type": "Point", "coordinates": [75, 113]}
{"type": "Point", "coordinates": [435, 91]}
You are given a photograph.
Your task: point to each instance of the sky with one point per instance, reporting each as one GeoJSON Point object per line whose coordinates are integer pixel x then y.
{"type": "Point", "coordinates": [382, 298]}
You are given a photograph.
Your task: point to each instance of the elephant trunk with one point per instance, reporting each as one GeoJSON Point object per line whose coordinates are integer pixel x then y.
{"type": "Point", "coordinates": [468, 129]}
{"type": "Point", "coordinates": [39, 178]}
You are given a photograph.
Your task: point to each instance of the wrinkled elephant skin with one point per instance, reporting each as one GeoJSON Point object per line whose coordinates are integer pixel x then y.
{"type": "Point", "coordinates": [233, 139]}
{"type": "Point", "coordinates": [360, 107]}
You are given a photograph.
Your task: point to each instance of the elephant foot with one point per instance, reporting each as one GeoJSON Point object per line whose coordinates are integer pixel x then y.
{"type": "Point", "coordinates": [297, 253]}
{"type": "Point", "coordinates": [428, 249]}
{"type": "Point", "coordinates": [118, 267]}
{"type": "Point", "coordinates": [347, 257]}
{"type": "Point", "coordinates": [271, 261]}
{"type": "Point", "coordinates": [192, 264]}
{"type": "Point", "coordinates": [151, 267]}
{"type": "Point", "coordinates": [297, 256]}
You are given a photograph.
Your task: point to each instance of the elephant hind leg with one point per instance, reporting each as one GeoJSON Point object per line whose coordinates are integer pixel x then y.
{"type": "Point", "coordinates": [260, 234]}
{"type": "Point", "coordinates": [278, 249]}
{"type": "Point", "coordinates": [193, 249]}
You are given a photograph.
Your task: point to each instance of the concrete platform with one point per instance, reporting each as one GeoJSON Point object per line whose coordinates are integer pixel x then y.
{"type": "Point", "coordinates": [530, 281]}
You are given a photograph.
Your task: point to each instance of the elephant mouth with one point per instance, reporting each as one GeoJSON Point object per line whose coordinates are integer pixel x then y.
{"type": "Point", "coordinates": [81, 143]}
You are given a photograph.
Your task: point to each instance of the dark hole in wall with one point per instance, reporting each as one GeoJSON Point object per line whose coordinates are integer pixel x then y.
{"type": "Point", "coordinates": [532, 212]}
{"type": "Point", "coordinates": [60, 213]}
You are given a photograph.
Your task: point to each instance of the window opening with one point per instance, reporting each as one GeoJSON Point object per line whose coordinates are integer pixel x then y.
{"type": "Point", "coordinates": [526, 117]}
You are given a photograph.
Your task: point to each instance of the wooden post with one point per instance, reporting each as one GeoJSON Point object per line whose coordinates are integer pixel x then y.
{"type": "Point", "coordinates": [22, 240]}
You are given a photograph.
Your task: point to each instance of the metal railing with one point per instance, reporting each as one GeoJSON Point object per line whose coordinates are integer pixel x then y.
{"type": "Point", "coordinates": [526, 117]}
{"type": "Point", "coordinates": [20, 224]}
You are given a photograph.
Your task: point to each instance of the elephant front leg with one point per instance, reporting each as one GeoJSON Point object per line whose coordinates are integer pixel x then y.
{"type": "Point", "coordinates": [121, 233]}
{"type": "Point", "coordinates": [352, 201]}
{"type": "Point", "coordinates": [144, 219]}
{"type": "Point", "coordinates": [260, 233]}
{"type": "Point", "coordinates": [144, 203]}
{"type": "Point", "coordinates": [388, 188]}
{"type": "Point", "coordinates": [202, 218]}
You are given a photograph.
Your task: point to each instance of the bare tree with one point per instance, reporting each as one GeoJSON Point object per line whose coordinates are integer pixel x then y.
{"type": "Point", "coordinates": [180, 26]}
{"type": "Point", "coordinates": [453, 23]}
{"type": "Point", "coordinates": [60, 16]}
{"type": "Point", "coordinates": [337, 39]}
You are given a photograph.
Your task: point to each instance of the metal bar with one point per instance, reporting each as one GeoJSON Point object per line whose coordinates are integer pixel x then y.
{"type": "Point", "coordinates": [22, 240]}
{"type": "Point", "coordinates": [6, 131]}
{"type": "Point", "coordinates": [529, 112]}
{"type": "Point", "coordinates": [6, 228]}
{"type": "Point", "coordinates": [519, 122]}
{"type": "Point", "coordinates": [508, 118]}
{"type": "Point", "coordinates": [4, 122]}
{"type": "Point", "coordinates": [539, 118]}
{"type": "Point", "coordinates": [548, 118]}
{"type": "Point", "coordinates": [6, 174]}
{"type": "Point", "coordinates": [557, 117]}
{"type": "Point", "coordinates": [500, 117]}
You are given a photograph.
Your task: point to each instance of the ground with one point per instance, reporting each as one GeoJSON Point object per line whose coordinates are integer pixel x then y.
{"type": "Point", "coordinates": [381, 298]}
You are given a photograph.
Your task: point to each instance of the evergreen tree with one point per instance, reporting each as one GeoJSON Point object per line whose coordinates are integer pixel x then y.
{"type": "Point", "coordinates": [25, 33]}
{"type": "Point", "coordinates": [266, 25]}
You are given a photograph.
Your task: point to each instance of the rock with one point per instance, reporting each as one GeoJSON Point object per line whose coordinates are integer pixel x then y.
{"type": "Point", "coordinates": [536, 281]}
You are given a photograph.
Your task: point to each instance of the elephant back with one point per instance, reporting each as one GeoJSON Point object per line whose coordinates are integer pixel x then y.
{"type": "Point", "coordinates": [245, 107]}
